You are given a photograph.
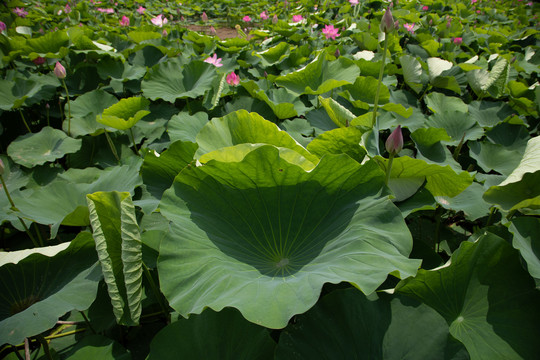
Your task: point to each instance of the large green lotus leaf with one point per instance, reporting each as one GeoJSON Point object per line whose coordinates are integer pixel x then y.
{"type": "Point", "coordinates": [159, 170]}
{"type": "Point", "coordinates": [496, 157]}
{"type": "Point", "coordinates": [526, 230]}
{"type": "Point", "coordinates": [521, 189]}
{"type": "Point", "coordinates": [279, 100]}
{"type": "Point", "coordinates": [440, 180]}
{"type": "Point", "coordinates": [50, 42]}
{"type": "Point", "coordinates": [273, 55]}
{"type": "Point", "coordinates": [14, 179]}
{"type": "Point", "coordinates": [125, 113]}
{"type": "Point", "coordinates": [27, 91]}
{"type": "Point", "coordinates": [487, 298]}
{"type": "Point", "coordinates": [97, 347]}
{"type": "Point", "coordinates": [119, 248]}
{"type": "Point", "coordinates": [213, 336]}
{"type": "Point", "coordinates": [185, 127]}
{"type": "Point", "coordinates": [38, 148]}
{"type": "Point", "coordinates": [488, 113]}
{"type": "Point", "coordinates": [440, 103]}
{"type": "Point", "coordinates": [412, 72]}
{"type": "Point", "coordinates": [344, 140]}
{"type": "Point", "coordinates": [39, 289]}
{"type": "Point", "coordinates": [63, 201]}
{"type": "Point", "coordinates": [470, 201]}
{"type": "Point", "coordinates": [429, 146]}
{"type": "Point", "coordinates": [362, 93]}
{"type": "Point", "coordinates": [263, 235]}
{"type": "Point", "coordinates": [173, 80]}
{"type": "Point", "coordinates": [347, 325]}
{"type": "Point", "coordinates": [320, 76]}
{"type": "Point", "coordinates": [340, 115]}
{"type": "Point", "coordinates": [492, 82]}
{"type": "Point", "coordinates": [85, 109]}
{"type": "Point", "coordinates": [458, 126]}
{"type": "Point", "coordinates": [241, 127]}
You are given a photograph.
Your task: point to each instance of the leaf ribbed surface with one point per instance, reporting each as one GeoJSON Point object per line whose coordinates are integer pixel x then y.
{"type": "Point", "coordinates": [263, 235]}
{"type": "Point", "coordinates": [39, 289]}
{"type": "Point", "coordinates": [486, 296]}
{"type": "Point", "coordinates": [119, 247]}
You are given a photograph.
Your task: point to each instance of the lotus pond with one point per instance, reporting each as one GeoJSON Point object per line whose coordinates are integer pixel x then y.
{"type": "Point", "coordinates": [296, 180]}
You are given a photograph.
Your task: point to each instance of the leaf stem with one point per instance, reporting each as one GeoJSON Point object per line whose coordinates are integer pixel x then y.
{"type": "Point", "coordinates": [155, 290]}
{"type": "Point", "coordinates": [24, 121]}
{"type": "Point", "coordinates": [377, 94]}
{"type": "Point", "coordinates": [111, 145]}
{"type": "Point", "coordinates": [26, 349]}
{"type": "Point", "coordinates": [437, 227]}
{"type": "Point", "coordinates": [69, 107]}
{"type": "Point", "coordinates": [45, 345]}
{"type": "Point", "coordinates": [389, 167]}
{"type": "Point", "coordinates": [133, 139]}
{"type": "Point", "coordinates": [87, 322]}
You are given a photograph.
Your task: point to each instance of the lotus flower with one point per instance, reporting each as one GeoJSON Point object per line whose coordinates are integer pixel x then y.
{"type": "Point", "coordinates": [124, 21]}
{"type": "Point", "coordinates": [20, 12]}
{"type": "Point", "coordinates": [409, 27]}
{"type": "Point", "coordinates": [263, 15]}
{"type": "Point", "coordinates": [214, 60]}
{"type": "Point", "coordinates": [353, 2]}
{"type": "Point", "coordinates": [330, 32]}
{"type": "Point", "coordinates": [394, 143]}
{"type": "Point", "coordinates": [387, 22]}
{"type": "Point", "coordinates": [141, 10]}
{"type": "Point", "coordinates": [233, 79]}
{"type": "Point", "coordinates": [425, 8]}
{"type": "Point", "coordinates": [458, 40]}
{"type": "Point", "coordinates": [204, 17]}
{"type": "Point", "coordinates": [39, 60]}
{"type": "Point", "coordinates": [106, 11]}
{"type": "Point", "coordinates": [159, 20]}
{"type": "Point", "coordinates": [59, 71]}
{"type": "Point", "coordinates": [246, 18]}
{"type": "Point", "coordinates": [297, 18]}
{"type": "Point", "coordinates": [67, 9]}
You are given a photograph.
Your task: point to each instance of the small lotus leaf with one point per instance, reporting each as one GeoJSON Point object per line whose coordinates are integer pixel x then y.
{"type": "Point", "coordinates": [125, 113]}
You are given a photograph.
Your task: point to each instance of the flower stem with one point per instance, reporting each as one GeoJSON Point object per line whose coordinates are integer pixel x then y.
{"type": "Point", "coordinates": [111, 145]}
{"type": "Point", "coordinates": [69, 107]}
{"type": "Point", "coordinates": [377, 94]}
{"type": "Point", "coordinates": [24, 121]}
{"type": "Point", "coordinates": [133, 139]}
{"type": "Point", "coordinates": [389, 167]}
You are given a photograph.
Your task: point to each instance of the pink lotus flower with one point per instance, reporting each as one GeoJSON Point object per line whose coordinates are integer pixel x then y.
{"type": "Point", "coordinates": [124, 21]}
{"type": "Point", "coordinates": [3, 26]}
{"type": "Point", "coordinates": [233, 79]}
{"type": "Point", "coordinates": [59, 71]}
{"type": "Point", "coordinates": [297, 18]}
{"type": "Point", "coordinates": [159, 20]}
{"type": "Point", "coordinates": [246, 19]}
{"type": "Point", "coordinates": [409, 27]}
{"type": "Point", "coordinates": [214, 60]}
{"type": "Point", "coordinates": [106, 11]}
{"type": "Point", "coordinates": [67, 9]}
{"type": "Point", "coordinates": [473, 1]}
{"type": "Point", "coordinates": [141, 10]}
{"type": "Point", "coordinates": [353, 2]}
{"type": "Point", "coordinates": [425, 8]}
{"type": "Point", "coordinates": [394, 143]}
{"type": "Point", "coordinates": [263, 15]}
{"type": "Point", "coordinates": [204, 17]}
{"type": "Point", "coordinates": [330, 32]}
{"type": "Point", "coordinates": [458, 40]}
{"type": "Point", "coordinates": [20, 12]}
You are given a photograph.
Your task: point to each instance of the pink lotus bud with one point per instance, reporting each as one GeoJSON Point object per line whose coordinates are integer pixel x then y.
{"type": "Point", "coordinates": [204, 17]}
{"type": "Point", "coordinates": [213, 31]}
{"type": "Point", "coordinates": [263, 15]}
{"type": "Point", "coordinates": [59, 71]}
{"type": "Point", "coordinates": [458, 40]}
{"type": "Point", "coordinates": [39, 60]}
{"type": "Point", "coordinates": [274, 19]}
{"type": "Point", "coordinates": [394, 143]}
{"type": "Point", "coordinates": [124, 21]}
{"type": "Point", "coordinates": [2, 26]}
{"type": "Point", "coordinates": [337, 53]}
{"type": "Point", "coordinates": [233, 79]}
{"type": "Point", "coordinates": [387, 22]}
{"type": "Point", "coordinates": [246, 18]}
{"type": "Point", "coordinates": [425, 8]}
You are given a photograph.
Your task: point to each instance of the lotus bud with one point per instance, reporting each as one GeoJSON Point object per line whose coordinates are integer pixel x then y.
{"type": "Point", "coordinates": [59, 71]}
{"type": "Point", "coordinates": [458, 40]}
{"type": "Point", "coordinates": [337, 53]}
{"type": "Point", "coordinates": [39, 60]}
{"type": "Point", "coordinates": [394, 143]}
{"type": "Point", "coordinates": [204, 17]}
{"type": "Point", "coordinates": [387, 22]}
{"type": "Point", "coordinates": [274, 19]}
{"type": "Point", "coordinates": [3, 26]}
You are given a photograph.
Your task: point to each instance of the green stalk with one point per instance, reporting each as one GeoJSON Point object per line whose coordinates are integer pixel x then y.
{"type": "Point", "coordinates": [69, 107]}
{"type": "Point", "coordinates": [155, 290]}
{"type": "Point", "coordinates": [133, 139]}
{"type": "Point", "coordinates": [389, 168]}
{"type": "Point", "coordinates": [377, 94]}
{"type": "Point", "coordinates": [45, 345]}
{"type": "Point", "coordinates": [87, 322]}
{"type": "Point", "coordinates": [24, 121]}
{"type": "Point", "coordinates": [111, 145]}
